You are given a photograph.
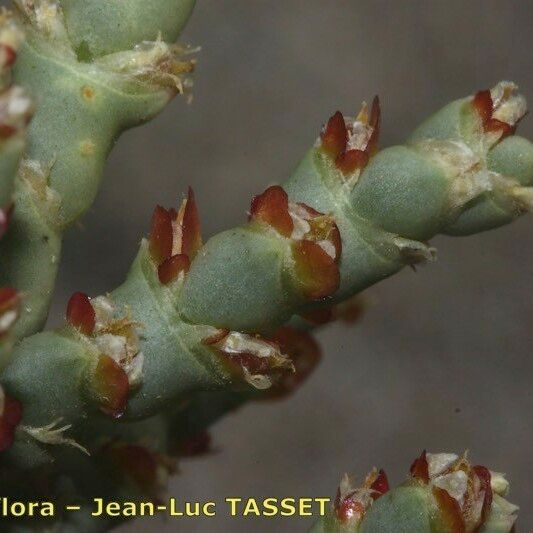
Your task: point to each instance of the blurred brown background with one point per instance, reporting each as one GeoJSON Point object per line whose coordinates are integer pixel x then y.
{"type": "Point", "coordinates": [443, 359]}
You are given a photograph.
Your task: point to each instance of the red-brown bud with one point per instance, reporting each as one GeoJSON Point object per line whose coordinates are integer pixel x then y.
{"type": "Point", "coordinates": [352, 160]}
{"type": "Point", "coordinates": [316, 271]}
{"type": "Point", "coordinates": [380, 485]}
{"type": "Point", "coordinates": [80, 313]}
{"type": "Point", "coordinates": [419, 469]}
{"type": "Point", "coordinates": [335, 136]}
{"type": "Point", "coordinates": [450, 511]}
{"type": "Point", "coordinates": [170, 269]}
{"type": "Point", "coordinates": [161, 235]}
{"type": "Point", "coordinates": [109, 385]}
{"type": "Point", "coordinates": [272, 208]}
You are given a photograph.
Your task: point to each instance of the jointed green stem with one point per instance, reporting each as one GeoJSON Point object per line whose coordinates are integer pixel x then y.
{"type": "Point", "coordinates": [196, 330]}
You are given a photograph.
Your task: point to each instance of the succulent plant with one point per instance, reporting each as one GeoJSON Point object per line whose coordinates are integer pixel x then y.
{"type": "Point", "coordinates": [105, 404]}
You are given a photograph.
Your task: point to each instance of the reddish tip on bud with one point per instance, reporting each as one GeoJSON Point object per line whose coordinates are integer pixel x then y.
{"type": "Point", "coordinates": [351, 150]}
{"type": "Point", "coordinates": [352, 160]}
{"type": "Point", "coordinates": [8, 56]}
{"type": "Point", "coordinates": [484, 476]}
{"type": "Point", "coordinates": [5, 218]}
{"type": "Point", "coordinates": [272, 208]}
{"type": "Point", "coordinates": [80, 313]}
{"type": "Point", "coordinates": [161, 235]}
{"type": "Point", "coordinates": [335, 135]}
{"type": "Point", "coordinates": [196, 445]}
{"type": "Point", "coordinates": [175, 238]}
{"type": "Point", "coordinates": [9, 298]}
{"type": "Point", "coordinates": [316, 271]}
{"type": "Point", "coordinates": [375, 123]}
{"type": "Point", "coordinates": [110, 386]}
{"type": "Point", "coordinates": [304, 352]}
{"type": "Point", "coordinates": [191, 235]}
{"type": "Point", "coordinates": [10, 418]}
{"type": "Point", "coordinates": [380, 485]}
{"type": "Point", "coordinates": [170, 269]}
{"type": "Point", "coordinates": [483, 104]}
{"type": "Point", "coordinates": [420, 469]}
{"type": "Point", "coordinates": [450, 511]}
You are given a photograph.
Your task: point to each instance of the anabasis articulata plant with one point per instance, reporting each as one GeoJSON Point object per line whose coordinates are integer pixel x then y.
{"type": "Point", "coordinates": [104, 406]}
